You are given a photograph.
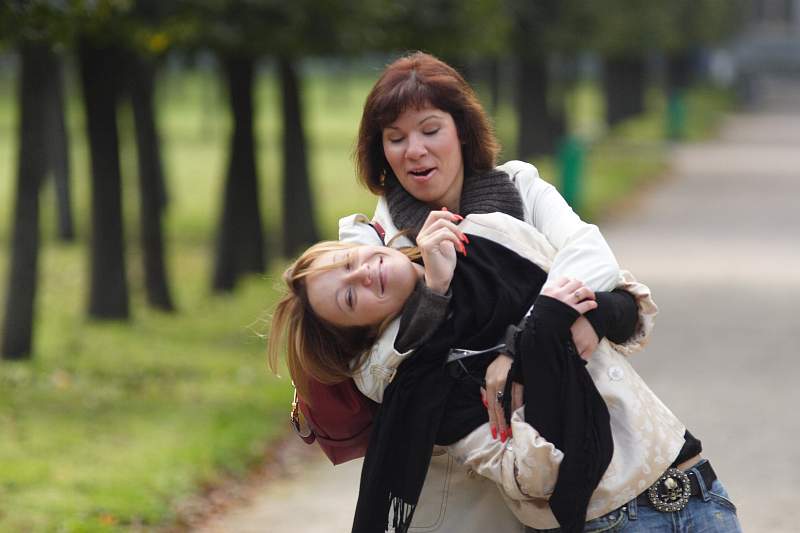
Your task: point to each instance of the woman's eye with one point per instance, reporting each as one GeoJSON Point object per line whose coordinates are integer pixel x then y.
{"type": "Point", "coordinates": [431, 132]}
{"type": "Point", "coordinates": [349, 298]}
{"type": "Point", "coordinates": [396, 140]}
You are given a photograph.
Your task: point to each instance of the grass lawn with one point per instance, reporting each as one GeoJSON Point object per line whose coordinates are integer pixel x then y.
{"type": "Point", "coordinates": [111, 424]}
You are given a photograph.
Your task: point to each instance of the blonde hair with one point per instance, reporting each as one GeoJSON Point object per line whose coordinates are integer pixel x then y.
{"type": "Point", "coordinates": [314, 347]}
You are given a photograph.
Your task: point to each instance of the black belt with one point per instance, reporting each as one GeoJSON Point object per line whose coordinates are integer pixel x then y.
{"type": "Point", "coordinates": [674, 488]}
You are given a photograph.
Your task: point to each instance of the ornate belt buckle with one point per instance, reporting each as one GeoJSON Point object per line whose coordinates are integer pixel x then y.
{"type": "Point", "coordinates": [671, 492]}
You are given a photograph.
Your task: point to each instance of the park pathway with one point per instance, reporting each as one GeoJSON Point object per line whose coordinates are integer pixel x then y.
{"type": "Point", "coordinates": [718, 241]}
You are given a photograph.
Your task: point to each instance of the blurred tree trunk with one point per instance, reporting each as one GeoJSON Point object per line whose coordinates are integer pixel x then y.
{"type": "Point", "coordinates": [624, 87]}
{"type": "Point", "coordinates": [151, 176]}
{"type": "Point", "coordinates": [493, 73]}
{"type": "Point", "coordinates": [108, 291]}
{"type": "Point", "coordinates": [32, 167]}
{"type": "Point", "coordinates": [299, 229]}
{"type": "Point", "coordinates": [679, 71]}
{"type": "Point", "coordinates": [58, 146]}
{"type": "Point", "coordinates": [535, 135]}
{"type": "Point", "coordinates": [240, 243]}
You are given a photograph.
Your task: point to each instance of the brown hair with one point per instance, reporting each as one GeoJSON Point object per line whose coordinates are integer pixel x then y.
{"type": "Point", "coordinates": [415, 81]}
{"type": "Point", "coordinates": [314, 347]}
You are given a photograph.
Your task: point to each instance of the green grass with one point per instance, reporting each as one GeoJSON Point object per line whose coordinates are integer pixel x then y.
{"type": "Point", "coordinates": [111, 424]}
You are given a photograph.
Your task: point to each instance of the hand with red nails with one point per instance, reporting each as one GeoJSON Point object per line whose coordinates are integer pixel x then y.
{"type": "Point", "coordinates": [438, 241]}
{"type": "Point", "coordinates": [496, 377]}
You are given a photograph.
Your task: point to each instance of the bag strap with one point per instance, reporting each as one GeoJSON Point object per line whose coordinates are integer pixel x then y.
{"type": "Point", "coordinates": [308, 436]}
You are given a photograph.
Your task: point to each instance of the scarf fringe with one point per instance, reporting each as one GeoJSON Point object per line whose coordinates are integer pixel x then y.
{"type": "Point", "coordinates": [402, 514]}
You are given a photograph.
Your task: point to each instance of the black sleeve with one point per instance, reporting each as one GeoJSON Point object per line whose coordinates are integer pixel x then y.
{"type": "Point", "coordinates": [615, 317]}
{"type": "Point", "coordinates": [422, 315]}
{"type": "Point", "coordinates": [553, 319]}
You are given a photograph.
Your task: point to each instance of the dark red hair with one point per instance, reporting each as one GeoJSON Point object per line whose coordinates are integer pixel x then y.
{"type": "Point", "coordinates": [414, 82]}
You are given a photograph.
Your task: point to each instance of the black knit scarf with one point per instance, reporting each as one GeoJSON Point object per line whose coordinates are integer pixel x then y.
{"type": "Point", "coordinates": [492, 287]}
{"type": "Point", "coordinates": [490, 192]}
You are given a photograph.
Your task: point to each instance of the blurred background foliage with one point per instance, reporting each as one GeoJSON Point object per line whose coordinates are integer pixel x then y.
{"type": "Point", "coordinates": [162, 159]}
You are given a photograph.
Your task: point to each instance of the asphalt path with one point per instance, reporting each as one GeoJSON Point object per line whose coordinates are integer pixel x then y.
{"type": "Point", "coordinates": [718, 242]}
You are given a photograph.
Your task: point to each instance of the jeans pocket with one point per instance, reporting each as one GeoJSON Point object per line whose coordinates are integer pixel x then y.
{"type": "Point", "coordinates": [718, 494]}
{"type": "Point", "coordinates": [613, 521]}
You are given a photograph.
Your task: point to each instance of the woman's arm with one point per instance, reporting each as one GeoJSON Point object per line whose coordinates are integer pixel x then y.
{"type": "Point", "coordinates": [581, 251]}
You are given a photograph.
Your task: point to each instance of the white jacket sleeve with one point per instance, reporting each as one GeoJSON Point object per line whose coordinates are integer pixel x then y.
{"type": "Point", "coordinates": [357, 229]}
{"type": "Point", "coordinates": [582, 251]}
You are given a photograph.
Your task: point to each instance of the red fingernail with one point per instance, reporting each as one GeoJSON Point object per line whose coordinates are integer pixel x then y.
{"type": "Point", "coordinates": [464, 238]}
{"type": "Point", "coordinates": [459, 217]}
{"type": "Point", "coordinates": [503, 436]}
{"type": "Point", "coordinates": [494, 432]}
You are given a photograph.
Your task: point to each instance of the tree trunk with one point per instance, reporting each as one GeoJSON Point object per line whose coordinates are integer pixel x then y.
{"type": "Point", "coordinates": [240, 243]}
{"type": "Point", "coordinates": [58, 147]}
{"type": "Point", "coordinates": [32, 166]}
{"type": "Point", "coordinates": [493, 73]}
{"type": "Point", "coordinates": [679, 71]}
{"type": "Point", "coordinates": [624, 88]}
{"type": "Point", "coordinates": [151, 175]}
{"type": "Point", "coordinates": [534, 135]}
{"type": "Point", "coordinates": [108, 291]}
{"type": "Point", "coordinates": [299, 229]}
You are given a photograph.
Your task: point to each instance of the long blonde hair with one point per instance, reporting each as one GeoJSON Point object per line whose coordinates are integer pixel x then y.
{"type": "Point", "coordinates": [314, 347]}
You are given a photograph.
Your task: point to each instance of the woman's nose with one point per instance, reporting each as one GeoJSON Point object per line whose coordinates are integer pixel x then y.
{"type": "Point", "coordinates": [416, 147]}
{"type": "Point", "coordinates": [362, 274]}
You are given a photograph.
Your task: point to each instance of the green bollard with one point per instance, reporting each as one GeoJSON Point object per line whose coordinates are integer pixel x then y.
{"type": "Point", "coordinates": [570, 164]}
{"type": "Point", "coordinates": [676, 116]}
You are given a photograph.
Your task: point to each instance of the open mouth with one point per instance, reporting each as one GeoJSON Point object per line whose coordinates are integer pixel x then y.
{"type": "Point", "coordinates": [381, 279]}
{"type": "Point", "coordinates": [422, 173]}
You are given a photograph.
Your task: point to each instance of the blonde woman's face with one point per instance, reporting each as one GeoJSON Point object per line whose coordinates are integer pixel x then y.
{"type": "Point", "coordinates": [366, 285]}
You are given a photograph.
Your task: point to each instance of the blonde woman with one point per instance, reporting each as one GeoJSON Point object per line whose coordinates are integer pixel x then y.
{"type": "Point", "coordinates": [342, 290]}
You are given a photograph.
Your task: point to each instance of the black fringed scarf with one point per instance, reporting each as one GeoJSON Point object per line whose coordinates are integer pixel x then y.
{"type": "Point", "coordinates": [490, 192]}
{"type": "Point", "coordinates": [564, 405]}
{"type": "Point", "coordinates": [410, 419]}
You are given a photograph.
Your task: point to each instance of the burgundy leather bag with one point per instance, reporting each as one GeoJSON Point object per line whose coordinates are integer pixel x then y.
{"type": "Point", "coordinates": [338, 417]}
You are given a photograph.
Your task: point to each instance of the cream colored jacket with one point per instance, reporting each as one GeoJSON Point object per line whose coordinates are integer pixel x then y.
{"type": "Point", "coordinates": [454, 498]}
{"type": "Point", "coordinates": [647, 436]}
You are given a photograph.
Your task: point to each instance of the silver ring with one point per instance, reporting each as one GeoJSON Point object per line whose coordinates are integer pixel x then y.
{"type": "Point", "coordinates": [499, 396]}
{"type": "Point", "coordinates": [577, 296]}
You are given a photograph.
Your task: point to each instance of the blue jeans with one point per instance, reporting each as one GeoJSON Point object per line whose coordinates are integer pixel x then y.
{"type": "Point", "coordinates": [710, 512]}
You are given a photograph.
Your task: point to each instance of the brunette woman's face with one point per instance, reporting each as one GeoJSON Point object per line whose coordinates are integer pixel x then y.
{"type": "Point", "coordinates": [424, 151]}
{"type": "Point", "coordinates": [365, 286]}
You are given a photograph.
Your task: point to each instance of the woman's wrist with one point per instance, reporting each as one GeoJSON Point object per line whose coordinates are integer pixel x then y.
{"type": "Point", "coordinates": [437, 286]}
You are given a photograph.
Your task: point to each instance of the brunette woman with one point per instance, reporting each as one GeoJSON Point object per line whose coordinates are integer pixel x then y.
{"type": "Point", "coordinates": [425, 143]}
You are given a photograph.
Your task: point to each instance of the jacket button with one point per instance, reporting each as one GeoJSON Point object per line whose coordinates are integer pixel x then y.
{"type": "Point", "coordinates": [615, 373]}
